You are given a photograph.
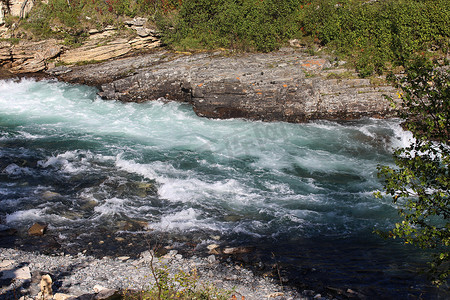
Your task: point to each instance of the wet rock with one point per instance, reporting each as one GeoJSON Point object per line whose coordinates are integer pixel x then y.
{"type": "Point", "coordinates": [142, 189]}
{"type": "Point", "coordinates": [37, 229]}
{"type": "Point", "coordinates": [49, 195]}
{"type": "Point", "coordinates": [130, 188]}
{"type": "Point", "coordinates": [88, 205]}
{"type": "Point", "coordinates": [131, 225]}
{"type": "Point", "coordinates": [71, 215]}
{"type": "Point", "coordinates": [7, 231]}
{"type": "Point", "coordinates": [233, 218]}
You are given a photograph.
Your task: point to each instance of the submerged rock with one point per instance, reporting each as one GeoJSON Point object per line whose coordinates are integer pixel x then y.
{"type": "Point", "coordinates": [131, 225]}
{"type": "Point", "coordinates": [49, 195]}
{"type": "Point", "coordinates": [7, 231]}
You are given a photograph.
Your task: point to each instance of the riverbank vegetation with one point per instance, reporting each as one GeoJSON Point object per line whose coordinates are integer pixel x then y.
{"type": "Point", "coordinates": [419, 183]}
{"type": "Point", "coordinates": [373, 36]}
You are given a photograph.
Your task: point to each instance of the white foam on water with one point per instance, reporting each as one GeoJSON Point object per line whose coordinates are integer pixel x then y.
{"type": "Point", "coordinates": [402, 138]}
{"type": "Point", "coordinates": [15, 170]}
{"type": "Point", "coordinates": [112, 206]}
{"type": "Point", "coordinates": [185, 220]}
{"type": "Point", "coordinates": [30, 136]}
{"type": "Point", "coordinates": [281, 188]}
{"type": "Point", "coordinates": [282, 170]}
{"type": "Point", "coordinates": [25, 215]}
{"type": "Point", "coordinates": [75, 162]}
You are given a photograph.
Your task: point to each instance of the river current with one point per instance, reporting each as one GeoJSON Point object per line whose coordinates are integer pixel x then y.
{"type": "Point", "coordinates": [301, 195]}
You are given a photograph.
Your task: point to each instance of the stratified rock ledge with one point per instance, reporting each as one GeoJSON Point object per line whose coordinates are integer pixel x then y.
{"type": "Point", "coordinates": [287, 85]}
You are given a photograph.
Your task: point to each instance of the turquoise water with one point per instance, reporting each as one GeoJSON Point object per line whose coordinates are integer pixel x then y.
{"type": "Point", "coordinates": [302, 194]}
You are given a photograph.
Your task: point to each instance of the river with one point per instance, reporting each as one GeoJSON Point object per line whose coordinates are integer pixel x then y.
{"type": "Point", "coordinates": [301, 195]}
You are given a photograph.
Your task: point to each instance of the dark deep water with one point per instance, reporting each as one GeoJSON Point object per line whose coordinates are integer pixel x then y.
{"type": "Point", "coordinates": [299, 194]}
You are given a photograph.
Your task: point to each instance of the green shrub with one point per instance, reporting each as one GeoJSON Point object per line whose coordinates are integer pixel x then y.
{"type": "Point", "coordinates": [370, 34]}
{"type": "Point", "coordinates": [71, 22]}
{"type": "Point", "coordinates": [241, 24]}
{"type": "Point", "coordinates": [373, 35]}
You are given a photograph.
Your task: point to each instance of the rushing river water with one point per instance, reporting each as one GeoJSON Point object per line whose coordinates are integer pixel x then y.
{"type": "Point", "coordinates": [300, 194]}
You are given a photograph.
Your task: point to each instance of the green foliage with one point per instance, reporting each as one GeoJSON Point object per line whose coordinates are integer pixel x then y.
{"type": "Point", "coordinates": [375, 33]}
{"type": "Point", "coordinates": [13, 41]}
{"type": "Point", "coordinates": [242, 24]}
{"type": "Point", "coordinates": [71, 22]}
{"type": "Point", "coordinates": [372, 34]}
{"type": "Point", "coordinates": [420, 183]}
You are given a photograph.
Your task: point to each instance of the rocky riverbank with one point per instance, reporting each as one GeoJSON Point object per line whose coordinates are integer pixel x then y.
{"type": "Point", "coordinates": [85, 277]}
{"type": "Point", "coordinates": [288, 85]}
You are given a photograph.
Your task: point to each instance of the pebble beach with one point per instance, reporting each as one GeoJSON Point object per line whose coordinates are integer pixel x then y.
{"type": "Point", "coordinates": [82, 276]}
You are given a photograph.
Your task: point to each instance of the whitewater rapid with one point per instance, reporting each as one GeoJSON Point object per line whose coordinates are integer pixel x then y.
{"type": "Point", "coordinates": [301, 191]}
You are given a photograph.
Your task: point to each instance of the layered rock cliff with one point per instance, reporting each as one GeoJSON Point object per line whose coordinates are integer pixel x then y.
{"type": "Point", "coordinates": [287, 85]}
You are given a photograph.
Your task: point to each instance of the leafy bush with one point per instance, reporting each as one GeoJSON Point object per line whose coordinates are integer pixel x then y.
{"type": "Point", "coordinates": [242, 24]}
{"type": "Point", "coordinates": [373, 34]}
{"type": "Point", "coordinates": [419, 184]}
{"type": "Point", "coordinates": [70, 20]}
